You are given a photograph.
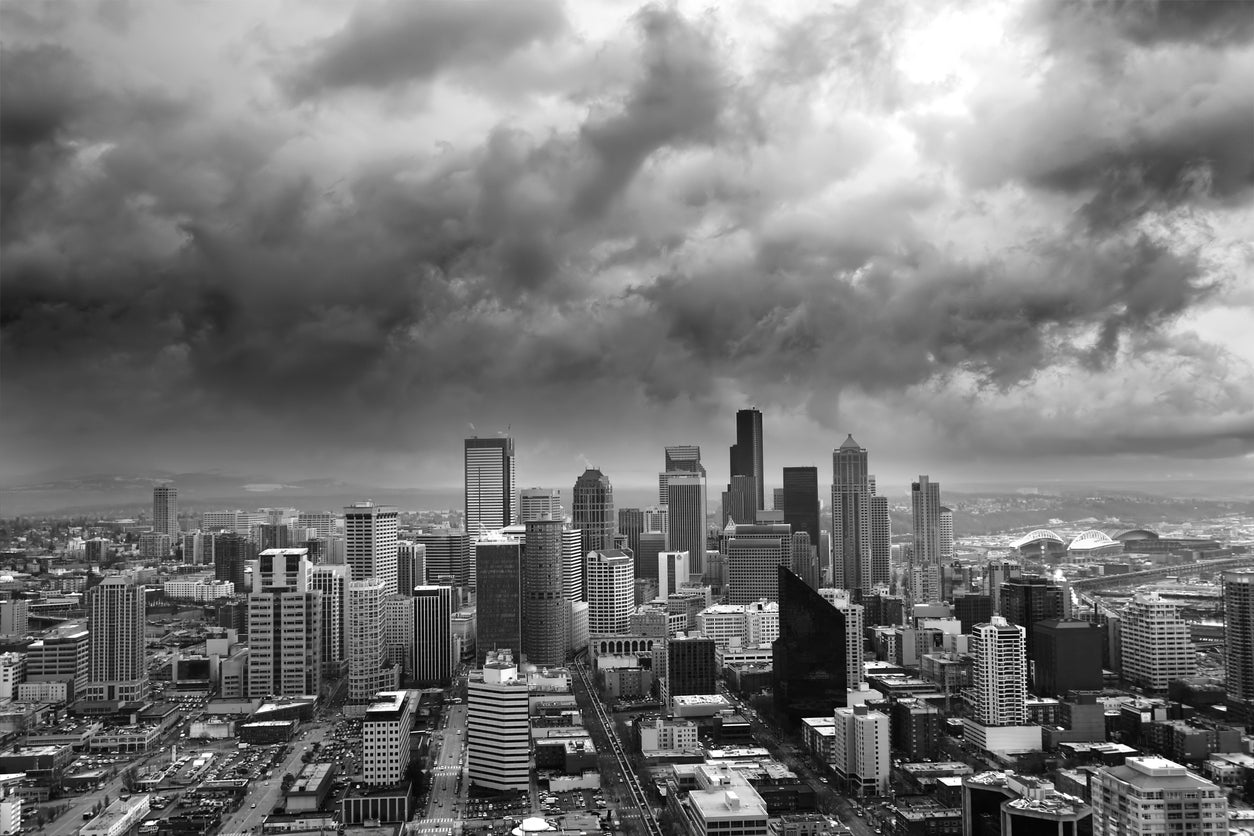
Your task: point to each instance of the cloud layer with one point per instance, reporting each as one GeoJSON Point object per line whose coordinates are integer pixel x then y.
{"type": "Point", "coordinates": [331, 238]}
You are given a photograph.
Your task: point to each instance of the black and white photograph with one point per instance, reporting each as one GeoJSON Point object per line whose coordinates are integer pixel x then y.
{"type": "Point", "coordinates": [415, 417]}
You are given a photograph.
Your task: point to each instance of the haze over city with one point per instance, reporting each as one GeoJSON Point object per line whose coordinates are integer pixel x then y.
{"type": "Point", "coordinates": [996, 241]}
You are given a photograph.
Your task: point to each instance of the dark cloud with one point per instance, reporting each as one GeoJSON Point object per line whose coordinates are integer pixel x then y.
{"type": "Point", "coordinates": [679, 100]}
{"type": "Point", "coordinates": [42, 89]}
{"type": "Point", "coordinates": [1152, 22]}
{"type": "Point", "coordinates": [393, 43]}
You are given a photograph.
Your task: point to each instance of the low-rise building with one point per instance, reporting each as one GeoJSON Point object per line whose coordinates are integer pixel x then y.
{"type": "Point", "coordinates": [118, 818]}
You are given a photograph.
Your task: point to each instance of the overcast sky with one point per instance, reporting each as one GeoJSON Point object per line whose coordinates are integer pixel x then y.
{"type": "Point", "coordinates": [298, 239]}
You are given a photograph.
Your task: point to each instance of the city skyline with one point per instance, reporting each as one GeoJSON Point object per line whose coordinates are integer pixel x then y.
{"type": "Point", "coordinates": [991, 240]}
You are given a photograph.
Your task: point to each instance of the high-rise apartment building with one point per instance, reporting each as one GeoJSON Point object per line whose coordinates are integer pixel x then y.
{"type": "Point", "coordinates": [999, 678]}
{"type": "Point", "coordinates": [611, 592]}
{"type": "Point", "coordinates": [925, 565]}
{"type": "Point", "coordinates": [855, 632]}
{"type": "Point", "coordinates": [433, 636]}
{"type": "Point", "coordinates": [861, 750]}
{"type": "Point", "coordinates": [284, 626]}
{"type": "Point", "coordinates": [810, 657]}
{"type": "Point", "coordinates": [754, 555]}
{"type": "Point", "coordinates": [592, 511]}
{"type": "Point", "coordinates": [332, 581]}
{"type": "Point", "coordinates": [1239, 643]}
{"type": "Point", "coordinates": [165, 511]}
{"type": "Point", "coordinates": [686, 506]}
{"type": "Point", "coordinates": [746, 453]}
{"type": "Point", "coordinates": [1149, 796]}
{"type": "Point", "coordinates": [14, 617]}
{"type": "Point", "coordinates": [801, 501]}
{"type": "Point", "coordinates": [491, 477]}
{"type": "Point", "coordinates": [370, 543]}
{"type": "Point", "coordinates": [534, 503]}
{"type": "Point", "coordinates": [499, 595]}
{"type": "Point", "coordinates": [881, 539]}
{"type": "Point", "coordinates": [498, 725]}
{"type": "Point", "coordinates": [273, 536]}
{"type": "Point", "coordinates": [385, 730]}
{"type": "Point", "coordinates": [999, 648]}
{"type": "Point", "coordinates": [946, 520]}
{"type": "Point", "coordinates": [116, 615]}
{"type": "Point", "coordinates": [546, 593]}
{"type": "Point", "coordinates": [1027, 600]}
{"type": "Point", "coordinates": [411, 566]}
{"type": "Point", "coordinates": [1156, 644]}
{"type": "Point", "coordinates": [851, 515]}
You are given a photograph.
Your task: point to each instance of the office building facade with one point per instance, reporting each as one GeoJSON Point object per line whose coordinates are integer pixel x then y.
{"type": "Point", "coordinates": [1025, 601]}
{"type": "Point", "coordinates": [1149, 795]}
{"type": "Point", "coordinates": [746, 453]}
{"type": "Point", "coordinates": [686, 508]}
{"type": "Point", "coordinates": [801, 501]}
{"type": "Point", "coordinates": [448, 552]}
{"type": "Point", "coordinates": [411, 566]}
{"type": "Point", "coordinates": [1067, 656]}
{"type": "Point", "coordinates": [385, 731]}
{"type": "Point", "coordinates": [1155, 643]}
{"type": "Point", "coordinates": [592, 510]}
{"type": "Point", "coordinates": [754, 555]}
{"type": "Point", "coordinates": [534, 503]}
{"type": "Point", "coordinates": [284, 626]}
{"type": "Point", "coordinates": [491, 477]}
{"type": "Point", "coordinates": [611, 592]}
{"type": "Point", "coordinates": [498, 727]}
{"type": "Point", "coordinates": [433, 660]}
{"type": "Point", "coordinates": [810, 657]}
{"type": "Point", "coordinates": [1239, 644]}
{"type": "Point", "coordinates": [371, 543]}
{"type": "Point", "coordinates": [499, 598]}
{"type": "Point", "coordinates": [331, 581]}
{"type": "Point", "coordinates": [691, 666]}
{"type": "Point", "coordinates": [165, 511]}
{"type": "Point", "coordinates": [546, 593]}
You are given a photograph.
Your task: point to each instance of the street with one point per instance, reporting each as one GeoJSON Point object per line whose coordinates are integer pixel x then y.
{"type": "Point", "coordinates": [266, 794]}
{"type": "Point", "coordinates": [448, 762]}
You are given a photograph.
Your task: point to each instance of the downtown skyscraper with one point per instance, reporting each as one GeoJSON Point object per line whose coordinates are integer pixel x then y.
{"type": "Point", "coordinates": [165, 511]}
{"type": "Point", "coordinates": [686, 504]}
{"type": "Point", "coordinates": [370, 548]}
{"type": "Point", "coordinates": [1239, 643]}
{"type": "Point", "coordinates": [491, 484]}
{"type": "Point", "coordinates": [851, 516]}
{"type": "Point", "coordinates": [116, 616]}
{"type": "Point", "coordinates": [925, 561]}
{"type": "Point", "coordinates": [285, 624]}
{"type": "Point", "coordinates": [546, 594]}
{"type": "Point", "coordinates": [746, 454]}
{"type": "Point", "coordinates": [592, 510]}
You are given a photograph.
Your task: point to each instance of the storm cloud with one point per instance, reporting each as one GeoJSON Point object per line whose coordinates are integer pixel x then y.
{"type": "Point", "coordinates": [723, 206]}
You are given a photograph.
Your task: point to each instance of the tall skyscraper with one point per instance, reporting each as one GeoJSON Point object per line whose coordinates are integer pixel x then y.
{"type": "Point", "coordinates": [691, 666]}
{"type": "Point", "coordinates": [925, 565]}
{"type": "Point", "coordinates": [284, 626]}
{"type": "Point", "coordinates": [367, 671]}
{"type": "Point", "coordinates": [534, 503]}
{"type": "Point", "coordinates": [881, 540]}
{"type": "Point", "coordinates": [1148, 796]}
{"type": "Point", "coordinates": [1000, 684]}
{"type": "Point", "coordinates": [810, 657]}
{"type": "Point", "coordinates": [851, 515]}
{"type": "Point", "coordinates": [684, 458]}
{"type": "Point", "coordinates": [433, 636]}
{"type": "Point", "coordinates": [972, 609]}
{"type": "Point", "coordinates": [996, 573]}
{"type": "Point", "coordinates": [116, 615]}
{"type": "Point", "coordinates": [946, 533]}
{"type": "Point", "coordinates": [370, 543]}
{"type": "Point", "coordinates": [1239, 643]}
{"type": "Point", "coordinates": [546, 601]}
{"type": "Point", "coordinates": [754, 555]}
{"type": "Point", "coordinates": [411, 566]}
{"type": "Point", "coordinates": [165, 511]}
{"type": "Point", "coordinates": [631, 525]}
{"type": "Point", "coordinates": [490, 481]}
{"type": "Point", "coordinates": [1155, 640]}
{"type": "Point", "coordinates": [652, 545]}
{"type": "Point", "coordinates": [332, 581]}
{"type": "Point", "coordinates": [499, 596]}
{"type": "Point", "coordinates": [498, 725]}
{"type": "Point", "coordinates": [1025, 601]}
{"type": "Point", "coordinates": [746, 453]}
{"type": "Point", "coordinates": [592, 510]}
{"type": "Point", "coordinates": [686, 504]}
{"type": "Point", "coordinates": [801, 500]}
{"type": "Point", "coordinates": [611, 592]}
